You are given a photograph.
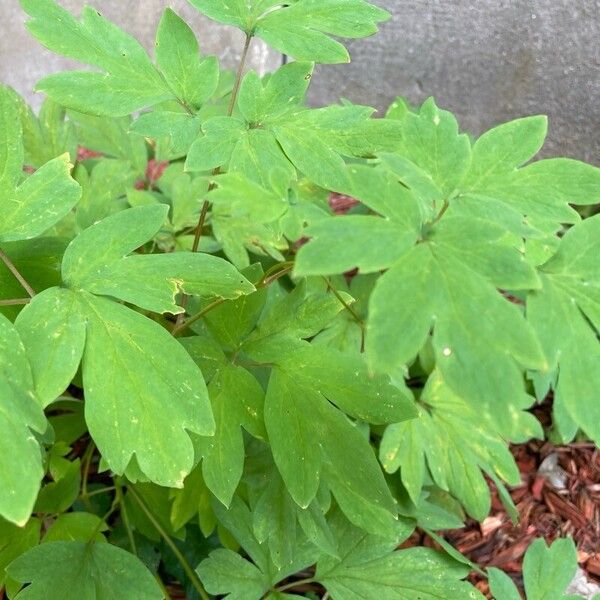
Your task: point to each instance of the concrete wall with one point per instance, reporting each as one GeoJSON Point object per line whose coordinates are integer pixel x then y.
{"type": "Point", "coordinates": [486, 60]}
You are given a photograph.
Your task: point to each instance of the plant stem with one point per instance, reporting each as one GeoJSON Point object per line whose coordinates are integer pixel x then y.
{"type": "Point", "coordinates": [206, 205]}
{"type": "Point", "coordinates": [105, 490]}
{"type": "Point", "coordinates": [354, 314]}
{"type": "Point", "coordinates": [240, 72]}
{"type": "Point", "coordinates": [16, 302]}
{"type": "Point", "coordinates": [264, 282]}
{"type": "Point", "coordinates": [442, 212]}
{"type": "Point", "coordinates": [189, 571]}
{"type": "Point", "coordinates": [185, 324]}
{"type": "Point", "coordinates": [87, 460]}
{"type": "Point", "coordinates": [295, 584]}
{"type": "Point", "coordinates": [125, 518]}
{"type": "Point", "coordinates": [15, 272]}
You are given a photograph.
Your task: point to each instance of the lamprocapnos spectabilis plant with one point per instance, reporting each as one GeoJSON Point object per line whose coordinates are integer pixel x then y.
{"type": "Point", "coordinates": [209, 377]}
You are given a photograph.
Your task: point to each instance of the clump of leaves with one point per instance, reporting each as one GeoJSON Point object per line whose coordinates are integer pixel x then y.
{"type": "Point", "coordinates": [208, 378]}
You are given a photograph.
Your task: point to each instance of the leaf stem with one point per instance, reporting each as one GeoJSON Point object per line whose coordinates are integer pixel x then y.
{"type": "Point", "coordinates": [125, 518]}
{"type": "Point", "coordinates": [185, 324]}
{"type": "Point", "coordinates": [354, 314]}
{"type": "Point", "coordinates": [206, 205]}
{"type": "Point", "coordinates": [295, 584]}
{"type": "Point", "coordinates": [87, 460]}
{"type": "Point", "coordinates": [442, 212]}
{"type": "Point", "coordinates": [15, 302]}
{"type": "Point", "coordinates": [189, 571]}
{"type": "Point", "coordinates": [15, 272]}
{"type": "Point", "coordinates": [264, 282]}
{"type": "Point", "coordinates": [240, 73]}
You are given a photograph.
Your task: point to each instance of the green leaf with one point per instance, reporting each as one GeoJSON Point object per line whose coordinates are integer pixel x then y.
{"type": "Point", "coordinates": [214, 148]}
{"type": "Point", "coordinates": [313, 140]}
{"type": "Point", "coordinates": [311, 439]}
{"type": "Point", "coordinates": [430, 140]}
{"type": "Point", "coordinates": [226, 572]}
{"type": "Point", "coordinates": [52, 315]}
{"type": "Point", "coordinates": [345, 381]}
{"type": "Point", "coordinates": [44, 198]}
{"type": "Point", "coordinates": [505, 148]}
{"type": "Point", "coordinates": [547, 571]}
{"type": "Point", "coordinates": [11, 147]}
{"type": "Point", "coordinates": [216, 574]}
{"type": "Point", "coordinates": [542, 189]}
{"type": "Point", "coordinates": [111, 137]}
{"type": "Point", "coordinates": [20, 415]}
{"type": "Point", "coordinates": [370, 569]}
{"type": "Point", "coordinates": [149, 281]}
{"type": "Point", "coordinates": [128, 81]}
{"type": "Point", "coordinates": [437, 285]}
{"type": "Point", "coordinates": [15, 541]}
{"type": "Point", "coordinates": [48, 135]}
{"type": "Point", "coordinates": [231, 322]}
{"type": "Point", "coordinates": [566, 316]}
{"type": "Point", "coordinates": [283, 92]}
{"type": "Point", "coordinates": [40, 201]}
{"type": "Point", "coordinates": [300, 29]}
{"type": "Point", "coordinates": [82, 571]}
{"type": "Point", "coordinates": [193, 80]}
{"type": "Point", "coordinates": [143, 393]}
{"type": "Point", "coordinates": [456, 443]}
{"type": "Point", "coordinates": [109, 241]}
{"type": "Point", "coordinates": [376, 243]}
{"type": "Point", "coordinates": [76, 527]}
{"type": "Point", "coordinates": [237, 399]}
{"type": "Point", "coordinates": [57, 496]}
{"type": "Point", "coordinates": [501, 585]}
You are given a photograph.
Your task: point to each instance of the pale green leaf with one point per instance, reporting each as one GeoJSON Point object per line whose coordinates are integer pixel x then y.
{"type": "Point", "coordinates": [15, 541]}
{"type": "Point", "coordinates": [547, 571]}
{"type": "Point", "coordinates": [505, 148]}
{"type": "Point", "coordinates": [139, 402]}
{"type": "Point", "coordinates": [129, 81]}
{"type": "Point", "coordinates": [82, 571]}
{"type": "Point", "coordinates": [300, 29]}
{"type": "Point", "coordinates": [501, 585]}
{"type": "Point", "coordinates": [438, 287]}
{"type": "Point", "coordinates": [430, 139]}
{"type": "Point", "coordinates": [566, 317]}
{"type": "Point", "coordinates": [11, 146]}
{"type": "Point", "coordinates": [311, 439]}
{"type": "Point", "coordinates": [177, 53]}
{"type": "Point", "coordinates": [109, 241]}
{"type": "Point", "coordinates": [226, 572]}
{"type": "Point", "coordinates": [53, 332]}
{"type": "Point", "coordinates": [20, 415]}
{"type": "Point", "coordinates": [237, 400]}
{"type": "Point", "coordinates": [214, 148]}
{"type": "Point", "coordinates": [345, 381]}
{"type": "Point", "coordinates": [370, 569]}
{"type": "Point", "coordinates": [40, 201]}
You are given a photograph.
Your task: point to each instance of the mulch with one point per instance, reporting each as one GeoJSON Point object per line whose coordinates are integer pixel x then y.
{"type": "Point", "coordinates": [544, 511]}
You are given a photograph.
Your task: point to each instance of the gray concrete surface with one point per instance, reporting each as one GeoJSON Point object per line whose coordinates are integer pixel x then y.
{"type": "Point", "coordinates": [487, 60]}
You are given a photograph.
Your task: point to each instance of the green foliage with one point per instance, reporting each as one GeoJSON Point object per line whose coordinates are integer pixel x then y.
{"type": "Point", "coordinates": [208, 378]}
{"type": "Point", "coordinates": [547, 571]}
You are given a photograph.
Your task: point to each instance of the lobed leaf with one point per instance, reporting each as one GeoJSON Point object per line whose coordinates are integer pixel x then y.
{"type": "Point", "coordinates": [20, 416]}
{"type": "Point", "coordinates": [82, 571]}
{"type": "Point", "coordinates": [300, 28]}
